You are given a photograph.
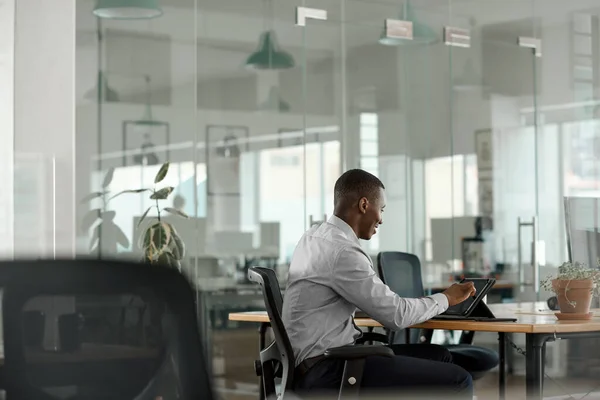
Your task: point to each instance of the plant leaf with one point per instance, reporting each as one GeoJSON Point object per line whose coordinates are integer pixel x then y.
{"type": "Point", "coordinates": [167, 259]}
{"type": "Point", "coordinates": [129, 191]}
{"type": "Point", "coordinates": [162, 172]}
{"type": "Point", "coordinates": [178, 246]}
{"type": "Point", "coordinates": [162, 194]}
{"type": "Point", "coordinates": [121, 237]}
{"type": "Point", "coordinates": [89, 219]}
{"type": "Point", "coordinates": [168, 231]}
{"type": "Point", "coordinates": [144, 216]}
{"type": "Point", "coordinates": [159, 237]}
{"type": "Point", "coordinates": [108, 177]}
{"type": "Point", "coordinates": [91, 196]}
{"type": "Point", "coordinates": [175, 251]}
{"type": "Point", "coordinates": [146, 238]}
{"type": "Point", "coordinates": [176, 212]}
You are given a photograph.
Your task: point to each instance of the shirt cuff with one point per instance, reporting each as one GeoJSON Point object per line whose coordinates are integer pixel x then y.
{"type": "Point", "coordinates": [441, 300]}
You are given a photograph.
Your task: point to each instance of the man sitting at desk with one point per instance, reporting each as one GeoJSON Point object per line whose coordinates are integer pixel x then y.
{"type": "Point", "coordinates": [330, 276]}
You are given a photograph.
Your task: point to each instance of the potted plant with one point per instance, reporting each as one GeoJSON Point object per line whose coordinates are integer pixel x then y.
{"type": "Point", "coordinates": [574, 286]}
{"type": "Point", "coordinates": [106, 235]}
{"type": "Point", "coordinates": [159, 241]}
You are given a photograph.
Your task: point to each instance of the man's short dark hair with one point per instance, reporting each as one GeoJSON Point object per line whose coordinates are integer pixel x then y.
{"type": "Point", "coordinates": [355, 184]}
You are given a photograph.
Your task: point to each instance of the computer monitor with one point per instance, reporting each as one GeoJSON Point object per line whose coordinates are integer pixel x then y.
{"type": "Point", "coordinates": [582, 226]}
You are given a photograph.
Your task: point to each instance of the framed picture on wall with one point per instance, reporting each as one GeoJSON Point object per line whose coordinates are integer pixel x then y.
{"type": "Point", "coordinates": [484, 150]}
{"type": "Point", "coordinates": [486, 198]}
{"type": "Point", "coordinates": [224, 145]}
{"type": "Point", "coordinates": [145, 143]}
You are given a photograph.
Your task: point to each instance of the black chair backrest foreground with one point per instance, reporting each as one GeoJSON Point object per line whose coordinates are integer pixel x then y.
{"type": "Point", "coordinates": [402, 273]}
{"type": "Point", "coordinates": [277, 359]}
{"type": "Point", "coordinates": [92, 329]}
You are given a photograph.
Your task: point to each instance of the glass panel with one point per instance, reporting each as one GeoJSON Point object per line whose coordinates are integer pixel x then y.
{"type": "Point", "coordinates": [369, 148]}
{"type": "Point", "coordinates": [226, 111]}
{"type": "Point", "coordinates": [375, 128]}
{"type": "Point", "coordinates": [493, 135]}
{"type": "Point", "coordinates": [322, 91]}
{"type": "Point", "coordinates": [436, 174]}
{"type": "Point", "coordinates": [250, 134]}
{"type": "Point", "coordinates": [568, 134]}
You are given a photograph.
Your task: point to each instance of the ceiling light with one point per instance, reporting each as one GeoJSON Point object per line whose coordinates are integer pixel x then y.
{"type": "Point", "coordinates": [127, 9]}
{"type": "Point", "coordinates": [268, 55]}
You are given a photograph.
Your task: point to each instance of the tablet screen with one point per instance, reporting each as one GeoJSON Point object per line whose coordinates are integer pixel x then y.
{"type": "Point", "coordinates": [461, 308]}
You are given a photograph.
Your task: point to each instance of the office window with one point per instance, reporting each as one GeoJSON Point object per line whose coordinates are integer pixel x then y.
{"type": "Point", "coordinates": [369, 143]}
{"type": "Point", "coordinates": [281, 192]}
{"type": "Point", "coordinates": [454, 179]}
{"type": "Point", "coordinates": [584, 32]}
{"type": "Point", "coordinates": [369, 157]}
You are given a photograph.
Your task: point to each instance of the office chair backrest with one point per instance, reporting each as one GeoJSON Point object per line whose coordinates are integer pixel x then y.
{"type": "Point", "coordinates": [107, 328]}
{"type": "Point", "coordinates": [281, 349]}
{"type": "Point", "coordinates": [402, 273]}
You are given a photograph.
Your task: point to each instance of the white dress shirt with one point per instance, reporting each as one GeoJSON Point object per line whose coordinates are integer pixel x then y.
{"type": "Point", "coordinates": [330, 277]}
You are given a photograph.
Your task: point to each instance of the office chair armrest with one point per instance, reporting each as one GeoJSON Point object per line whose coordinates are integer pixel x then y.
{"type": "Point", "coordinates": [358, 351]}
{"type": "Point", "coordinates": [372, 337]}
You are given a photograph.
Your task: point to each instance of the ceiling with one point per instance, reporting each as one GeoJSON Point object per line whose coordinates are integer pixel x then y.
{"type": "Point", "coordinates": [214, 42]}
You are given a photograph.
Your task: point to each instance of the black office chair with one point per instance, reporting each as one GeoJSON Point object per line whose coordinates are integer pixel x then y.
{"type": "Point", "coordinates": [277, 359]}
{"type": "Point", "coordinates": [153, 352]}
{"type": "Point", "coordinates": [402, 273]}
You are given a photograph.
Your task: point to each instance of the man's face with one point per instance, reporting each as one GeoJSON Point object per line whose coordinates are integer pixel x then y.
{"type": "Point", "coordinates": [372, 214]}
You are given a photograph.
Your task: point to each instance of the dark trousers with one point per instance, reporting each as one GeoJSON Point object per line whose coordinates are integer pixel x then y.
{"type": "Point", "coordinates": [417, 370]}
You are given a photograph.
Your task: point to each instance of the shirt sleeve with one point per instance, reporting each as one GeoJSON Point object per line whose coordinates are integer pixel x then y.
{"type": "Point", "coordinates": [354, 279]}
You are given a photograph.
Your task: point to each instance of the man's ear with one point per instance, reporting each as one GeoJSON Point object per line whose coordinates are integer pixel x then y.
{"type": "Point", "coordinates": [363, 204]}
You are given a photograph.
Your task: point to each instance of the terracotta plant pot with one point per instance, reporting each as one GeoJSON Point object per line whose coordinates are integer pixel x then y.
{"type": "Point", "coordinates": [574, 296]}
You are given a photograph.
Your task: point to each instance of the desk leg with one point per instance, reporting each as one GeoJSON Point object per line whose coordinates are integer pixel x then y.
{"type": "Point", "coordinates": [535, 365]}
{"type": "Point", "coordinates": [502, 365]}
{"type": "Point", "coordinates": [510, 356]}
{"type": "Point", "coordinates": [262, 332]}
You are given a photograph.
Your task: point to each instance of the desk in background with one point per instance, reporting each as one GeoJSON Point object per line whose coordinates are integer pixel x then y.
{"type": "Point", "coordinates": [538, 326]}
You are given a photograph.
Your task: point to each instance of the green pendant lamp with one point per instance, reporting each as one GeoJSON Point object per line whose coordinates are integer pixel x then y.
{"type": "Point", "coordinates": [127, 9]}
{"type": "Point", "coordinates": [268, 55]}
{"type": "Point", "coordinates": [422, 34]}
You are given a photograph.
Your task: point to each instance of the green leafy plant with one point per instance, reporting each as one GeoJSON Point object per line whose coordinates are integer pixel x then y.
{"type": "Point", "coordinates": [573, 271]}
{"type": "Point", "coordinates": [106, 235]}
{"type": "Point", "coordinates": [160, 241]}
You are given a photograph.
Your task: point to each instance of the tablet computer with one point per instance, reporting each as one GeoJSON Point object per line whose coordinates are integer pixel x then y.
{"type": "Point", "coordinates": [464, 309]}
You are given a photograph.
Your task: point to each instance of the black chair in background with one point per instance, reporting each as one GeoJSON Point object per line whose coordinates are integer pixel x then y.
{"type": "Point", "coordinates": [277, 359]}
{"type": "Point", "coordinates": [402, 273]}
{"type": "Point", "coordinates": [86, 359]}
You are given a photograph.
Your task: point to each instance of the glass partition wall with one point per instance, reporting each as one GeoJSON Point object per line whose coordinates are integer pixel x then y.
{"type": "Point", "coordinates": [473, 113]}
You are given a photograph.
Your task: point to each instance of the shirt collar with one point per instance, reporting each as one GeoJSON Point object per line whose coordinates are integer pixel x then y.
{"type": "Point", "coordinates": [340, 223]}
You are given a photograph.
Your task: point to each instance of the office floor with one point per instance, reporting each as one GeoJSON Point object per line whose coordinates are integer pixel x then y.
{"type": "Point", "coordinates": [485, 389]}
{"type": "Point", "coordinates": [236, 350]}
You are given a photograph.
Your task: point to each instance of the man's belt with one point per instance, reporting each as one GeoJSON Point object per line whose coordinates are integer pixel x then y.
{"type": "Point", "coordinates": [307, 364]}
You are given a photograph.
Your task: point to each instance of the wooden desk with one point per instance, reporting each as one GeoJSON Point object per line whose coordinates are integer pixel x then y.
{"type": "Point", "coordinates": [533, 319]}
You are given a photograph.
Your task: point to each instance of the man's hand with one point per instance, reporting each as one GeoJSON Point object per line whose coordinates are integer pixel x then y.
{"type": "Point", "coordinates": [459, 292]}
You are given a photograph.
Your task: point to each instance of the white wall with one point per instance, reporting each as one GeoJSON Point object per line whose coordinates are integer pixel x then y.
{"type": "Point", "coordinates": [45, 126]}
{"type": "Point", "coordinates": [7, 37]}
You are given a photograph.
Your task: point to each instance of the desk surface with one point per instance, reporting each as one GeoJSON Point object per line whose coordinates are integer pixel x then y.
{"type": "Point", "coordinates": [500, 284]}
{"type": "Point", "coordinates": [531, 318]}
